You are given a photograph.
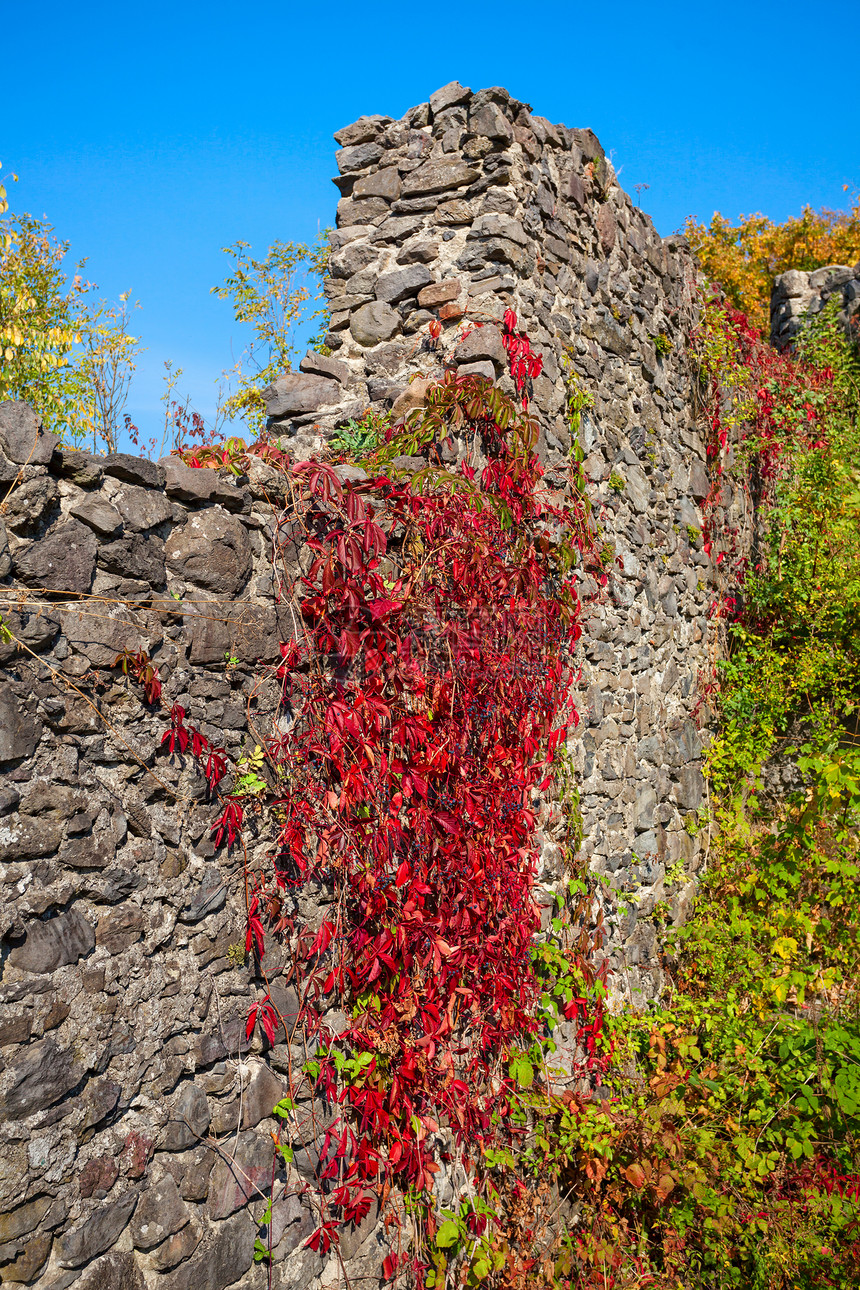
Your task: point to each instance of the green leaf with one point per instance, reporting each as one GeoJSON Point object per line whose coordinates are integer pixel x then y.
{"type": "Point", "coordinates": [448, 1235]}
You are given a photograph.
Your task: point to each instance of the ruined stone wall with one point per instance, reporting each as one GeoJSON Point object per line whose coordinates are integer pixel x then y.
{"type": "Point", "coordinates": [135, 1114]}
{"type": "Point", "coordinates": [797, 295]}
{"type": "Point", "coordinates": [466, 207]}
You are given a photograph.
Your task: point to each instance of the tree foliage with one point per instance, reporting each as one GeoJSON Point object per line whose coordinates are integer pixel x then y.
{"type": "Point", "coordinates": [746, 257]}
{"type": "Point", "coordinates": [69, 357]}
{"type": "Point", "coordinates": [271, 295]}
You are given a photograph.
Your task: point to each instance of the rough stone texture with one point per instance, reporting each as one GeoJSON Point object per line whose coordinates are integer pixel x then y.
{"type": "Point", "coordinates": [797, 294]}
{"type": "Point", "coordinates": [122, 999]}
{"type": "Point", "coordinates": [298, 392]}
{"type": "Point", "coordinates": [51, 945]}
{"type": "Point", "coordinates": [374, 322]}
{"type": "Point", "coordinates": [22, 439]}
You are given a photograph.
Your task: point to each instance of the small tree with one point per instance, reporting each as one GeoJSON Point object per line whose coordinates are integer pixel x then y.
{"type": "Point", "coordinates": [271, 295]}
{"type": "Point", "coordinates": [72, 361]}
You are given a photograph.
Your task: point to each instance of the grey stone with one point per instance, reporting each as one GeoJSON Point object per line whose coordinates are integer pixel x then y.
{"type": "Point", "coordinates": [27, 839]}
{"type": "Point", "coordinates": [454, 212]}
{"type": "Point", "coordinates": [646, 805]}
{"type": "Point", "coordinates": [20, 1221]}
{"type": "Point", "coordinates": [373, 323]}
{"type": "Point", "coordinates": [354, 257]}
{"type": "Point", "coordinates": [494, 225]}
{"type": "Point", "coordinates": [9, 799]}
{"type": "Point", "coordinates": [482, 343]}
{"type": "Point", "coordinates": [650, 749]}
{"type": "Point", "coordinates": [212, 551]}
{"type": "Point", "coordinates": [189, 1120]}
{"type": "Point", "coordinates": [397, 228]}
{"type": "Point", "coordinates": [366, 210]}
{"type": "Point", "coordinates": [115, 1271]}
{"type": "Point", "coordinates": [98, 1233]}
{"type": "Point", "coordinates": [27, 505]}
{"type": "Point", "coordinates": [101, 633]}
{"type": "Point", "coordinates": [480, 368]}
{"type": "Point", "coordinates": [324, 365]}
{"type": "Point", "coordinates": [140, 556]}
{"type": "Point", "coordinates": [489, 120]}
{"type": "Point", "coordinates": [364, 130]}
{"type": "Point", "coordinates": [382, 183]}
{"type": "Point", "coordinates": [607, 229]}
{"type": "Point", "coordinates": [219, 1264]}
{"type": "Point", "coordinates": [5, 557]}
{"type": "Point", "coordinates": [33, 629]}
{"type": "Point", "coordinates": [609, 336]}
{"type": "Point", "coordinates": [121, 928]}
{"type": "Point", "coordinates": [19, 732]}
{"type": "Point", "coordinates": [292, 1223]}
{"type": "Point", "coordinates": [82, 468]}
{"type": "Point", "coordinates": [645, 844]}
{"type": "Point", "coordinates": [160, 1213]}
{"type": "Point", "coordinates": [576, 192]}
{"type": "Point", "coordinates": [65, 560]}
{"type": "Point", "coordinates": [418, 251]}
{"type": "Point", "coordinates": [438, 177]}
{"type": "Point", "coordinates": [98, 515]}
{"type": "Point", "coordinates": [211, 896]}
{"type": "Point", "coordinates": [22, 438]}
{"type": "Point", "coordinates": [134, 470]}
{"type": "Point", "coordinates": [51, 945]}
{"type": "Point", "coordinates": [264, 1091]}
{"type": "Point", "coordinates": [690, 789]}
{"type": "Point", "coordinates": [40, 1077]}
{"type": "Point", "coordinates": [297, 393]}
{"type": "Point", "coordinates": [143, 508]}
{"type": "Point", "coordinates": [700, 485]}
{"type": "Point", "coordinates": [89, 852]}
{"type": "Point", "coordinates": [358, 157]}
{"type": "Point", "coordinates": [399, 284]}
{"type": "Point", "coordinates": [449, 96]}
{"type": "Point", "coordinates": [234, 1183]}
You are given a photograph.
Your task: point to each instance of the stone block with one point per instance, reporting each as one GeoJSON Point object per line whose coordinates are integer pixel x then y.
{"type": "Point", "coordinates": [100, 1230]}
{"type": "Point", "coordinates": [189, 1120]}
{"type": "Point", "coordinates": [483, 343]}
{"type": "Point", "coordinates": [382, 183]}
{"type": "Point", "coordinates": [133, 470]}
{"type": "Point", "coordinates": [357, 157]}
{"type": "Point", "coordinates": [98, 514]}
{"type": "Point", "coordinates": [19, 732]}
{"type": "Point", "coordinates": [212, 551]}
{"type": "Point", "coordinates": [296, 393]}
{"type": "Point", "coordinates": [438, 177]}
{"type": "Point", "coordinates": [374, 322]}
{"type": "Point", "coordinates": [449, 96]}
{"type": "Point", "coordinates": [64, 560]}
{"type": "Point", "coordinates": [160, 1212]}
{"type": "Point", "coordinates": [397, 285]}
{"type": "Point", "coordinates": [51, 945]}
{"type": "Point", "coordinates": [121, 928]}
{"type": "Point", "coordinates": [23, 440]}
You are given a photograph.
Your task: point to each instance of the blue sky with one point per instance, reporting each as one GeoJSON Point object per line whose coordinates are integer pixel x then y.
{"type": "Point", "coordinates": [153, 135]}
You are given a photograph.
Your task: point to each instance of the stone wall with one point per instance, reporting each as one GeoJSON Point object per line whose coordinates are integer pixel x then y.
{"type": "Point", "coordinates": [466, 207]}
{"type": "Point", "coordinates": [797, 294]}
{"type": "Point", "coordinates": [135, 1114]}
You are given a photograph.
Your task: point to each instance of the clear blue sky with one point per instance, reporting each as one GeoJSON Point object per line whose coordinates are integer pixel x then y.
{"type": "Point", "coordinates": [153, 134]}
